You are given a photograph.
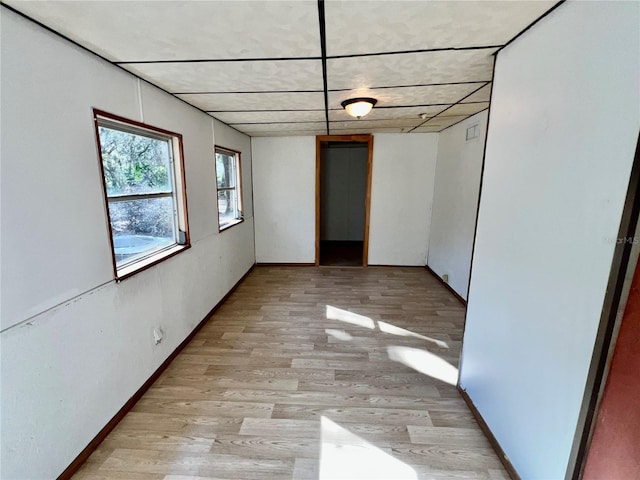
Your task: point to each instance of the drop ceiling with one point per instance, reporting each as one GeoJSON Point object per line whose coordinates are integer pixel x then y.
{"type": "Point", "coordinates": [260, 66]}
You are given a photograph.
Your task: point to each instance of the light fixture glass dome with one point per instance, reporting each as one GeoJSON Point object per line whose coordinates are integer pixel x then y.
{"type": "Point", "coordinates": [358, 107]}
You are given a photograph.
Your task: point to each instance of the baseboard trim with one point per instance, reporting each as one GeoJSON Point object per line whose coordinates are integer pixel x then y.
{"type": "Point", "coordinates": [447, 286]}
{"type": "Point", "coordinates": [75, 465]}
{"type": "Point", "coordinates": [492, 439]}
{"type": "Point", "coordinates": [284, 264]}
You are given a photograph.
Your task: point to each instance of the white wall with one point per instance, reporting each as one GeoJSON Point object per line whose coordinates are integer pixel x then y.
{"type": "Point", "coordinates": [284, 172]}
{"type": "Point", "coordinates": [562, 133]}
{"type": "Point", "coordinates": [401, 196]}
{"type": "Point", "coordinates": [76, 345]}
{"type": "Point", "coordinates": [455, 202]}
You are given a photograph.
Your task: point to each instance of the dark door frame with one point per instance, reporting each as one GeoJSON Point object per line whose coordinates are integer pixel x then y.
{"type": "Point", "coordinates": [368, 139]}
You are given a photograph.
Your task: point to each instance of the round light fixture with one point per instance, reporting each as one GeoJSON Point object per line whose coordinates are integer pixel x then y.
{"type": "Point", "coordinates": [359, 107]}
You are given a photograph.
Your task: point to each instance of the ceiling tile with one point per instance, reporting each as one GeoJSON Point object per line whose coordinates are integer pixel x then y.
{"type": "Point", "coordinates": [276, 127]}
{"type": "Point", "coordinates": [287, 133]}
{"type": "Point", "coordinates": [442, 122]}
{"type": "Point", "coordinates": [356, 131]}
{"type": "Point", "coordinates": [281, 91]}
{"type": "Point", "coordinates": [232, 76]}
{"type": "Point", "coordinates": [256, 101]}
{"type": "Point", "coordinates": [482, 95]}
{"type": "Point", "coordinates": [275, 117]}
{"type": "Point", "coordinates": [410, 25]}
{"type": "Point", "coordinates": [423, 95]}
{"type": "Point", "coordinates": [389, 113]}
{"type": "Point", "coordinates": [364, 124]}
{"type": "Point", "coordinates": [173, 30]}
{"type": "Point", "coordinates": [466, 109]}
{"type": "Point", "coordinates": [425, 129]}
{"type": "Point", "coordinates": [410, 69]}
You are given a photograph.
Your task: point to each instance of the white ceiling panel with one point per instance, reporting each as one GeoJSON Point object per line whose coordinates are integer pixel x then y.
{"type": "Point", "coordinates": [256, 101]}
{"type": "Point", "coordinates": [389, 113]}
{"type": "Point", "coordinates": [368, 26]}
{"type": "Point", "coordinates": [272, 117]}
{"type": "Point", "coordinates": [466, 109]}
{"type": "Point", "coordinates": [171, 30]}
{"type": "Point", "coordinates": [424, 95]}
{"type": "Point", "coordinates": [425, 129]}
{"type": "Point", "coordinates": [275, 127]}
{"type": "Point", "coordinates": [232, 76]}
{"type": "Point", "coordinates": [442, 122]}
{"type": "Point", "coordinates": [482, 95]}
{"type": "Point", "coordinates": [355, 131]}
{"type": "Point", "coordinates": [363, 124]}
{"type": "Point", "coordinates": [410, 69]}
{"type": "Point", "coordinates": [287, 133]}
{"type": "Point", "coordinates": [209, 52]}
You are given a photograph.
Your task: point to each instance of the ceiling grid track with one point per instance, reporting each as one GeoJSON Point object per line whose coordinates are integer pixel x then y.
{"type": "Point", "coordinates": [323, 50]}
{"type": "Point", "coordinates": [449, 108]}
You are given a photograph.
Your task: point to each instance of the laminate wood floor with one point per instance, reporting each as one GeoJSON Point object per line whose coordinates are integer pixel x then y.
{"type": "Point", "coordinates": [310, 373]}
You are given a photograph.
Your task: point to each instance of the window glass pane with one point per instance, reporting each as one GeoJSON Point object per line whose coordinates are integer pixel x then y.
{"type": "Point", "coordinates": [134, 164]}
{"type": "Point", "coordinates": [228, 207]}
{"type": "Point", "coordinates": [225, 170]}
{"type": "Point", "coordinates": [141, 227]}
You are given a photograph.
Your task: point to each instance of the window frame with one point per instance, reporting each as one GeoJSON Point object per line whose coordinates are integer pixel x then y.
{"type": "Point", "coordinates": [178, 190]}
{"type": "Point", "coordinates": [238, 188]}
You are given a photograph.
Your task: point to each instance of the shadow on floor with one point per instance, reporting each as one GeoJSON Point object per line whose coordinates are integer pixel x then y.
{"type": "Point", "coordinates": [341, 253]}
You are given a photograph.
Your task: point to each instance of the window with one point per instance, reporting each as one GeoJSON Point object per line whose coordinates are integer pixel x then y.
{"type": "Point", "coordinates": [143, 178]}
{"type": "Point", "coordinates": [229, 183]}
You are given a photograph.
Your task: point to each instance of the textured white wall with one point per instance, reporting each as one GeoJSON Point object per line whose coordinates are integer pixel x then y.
{"type": "Point", "coordinates": [284, 172]}
{"type": "Point", "coordinates": [88, 345]}
{"type": "Point", "coordinates": [401, 196]}
{"type": "Point", "coordinates": [562, 133]}
{"type": "Point", "coordinates": [455, 202]}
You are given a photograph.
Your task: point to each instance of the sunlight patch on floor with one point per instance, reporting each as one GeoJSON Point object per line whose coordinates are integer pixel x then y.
{"type": "Point", "coordinates": [344, 455]}
{"type": "Point", "coordinates": [335, 313]}
{"type": "Point", "coordinates": [403, 332]}
{"type": "Point", "coordinates": [338, 334]}
{"type": "Point", "coordinates": [424, 362]}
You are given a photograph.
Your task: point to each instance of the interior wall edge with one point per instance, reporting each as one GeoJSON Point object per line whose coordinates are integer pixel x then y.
{"type": "Point", "coordinates": [545, 242]}
{"type": "Point", "coordinates": [493, 441]}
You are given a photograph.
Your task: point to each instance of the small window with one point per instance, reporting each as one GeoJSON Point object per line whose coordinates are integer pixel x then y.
{"type": "Point", "coordinates": [143, 178]}
{"type": "Point", "coordinates": [229, 184]}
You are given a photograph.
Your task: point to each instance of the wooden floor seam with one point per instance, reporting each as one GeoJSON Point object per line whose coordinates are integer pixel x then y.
{"type": "Point", "coordinates": [310, 373]}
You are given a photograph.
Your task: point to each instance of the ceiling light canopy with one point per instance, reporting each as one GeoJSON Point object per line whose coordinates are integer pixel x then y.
{"type": "Point", "coordinates": [359, 107]}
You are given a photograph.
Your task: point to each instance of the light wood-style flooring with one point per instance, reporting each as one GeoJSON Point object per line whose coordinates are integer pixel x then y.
{"type": "Point", "coordinates": [310, 373]}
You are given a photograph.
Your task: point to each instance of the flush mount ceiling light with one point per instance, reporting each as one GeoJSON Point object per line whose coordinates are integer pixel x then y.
{"type": "Point", "coordinates": [359, 107]}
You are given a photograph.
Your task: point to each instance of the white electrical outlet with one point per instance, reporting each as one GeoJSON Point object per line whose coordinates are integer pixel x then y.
{"type": "Point", "coordinates": [158, 335]}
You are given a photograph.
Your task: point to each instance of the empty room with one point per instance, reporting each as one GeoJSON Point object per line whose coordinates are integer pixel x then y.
{"type": "Point", "coordinates": [328, 240]}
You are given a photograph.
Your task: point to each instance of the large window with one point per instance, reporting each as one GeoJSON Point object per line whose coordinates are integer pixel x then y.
{"type": "Point", "coordinates": [144, 190]}
{"type": "Point", "coordinates": [229, 183]}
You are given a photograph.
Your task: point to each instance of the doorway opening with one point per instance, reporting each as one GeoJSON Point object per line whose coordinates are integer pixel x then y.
{"type": "Point", "coordinates": [343, 186]}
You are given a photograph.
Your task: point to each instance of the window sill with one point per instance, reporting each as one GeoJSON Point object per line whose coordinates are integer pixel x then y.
{"type": "Point", "coordinates": [227, 226]}
{"type": "Point", "coordinates": [129, 270]}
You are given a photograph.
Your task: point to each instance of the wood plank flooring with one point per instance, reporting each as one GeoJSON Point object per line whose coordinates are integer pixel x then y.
{"type": "Point", "coordinates": [310, 373]}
